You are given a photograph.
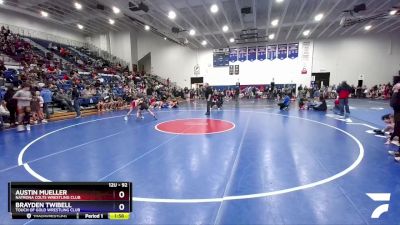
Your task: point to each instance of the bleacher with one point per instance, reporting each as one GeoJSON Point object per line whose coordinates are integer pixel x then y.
{"type": "Point", "coordinates": [72, 57]}
{"type": "Point", "coordinates": [36, 53]}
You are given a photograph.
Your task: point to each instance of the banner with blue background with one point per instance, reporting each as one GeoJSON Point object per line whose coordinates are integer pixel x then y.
{"type": "Point", "coordinates": [233, 55]}
{"type": "Point", "coordinates": [282, 51]}
{"type": "Point", "coordinates": [293, 50]}
{"type": "Point", "coordinates": [261, 53]}
{"type": "Point", "coordinates": [271, 52]}
{"type": "Point", "coordinates": [251, 53]}
{"type": "Point", "coordinates": [242, 56]}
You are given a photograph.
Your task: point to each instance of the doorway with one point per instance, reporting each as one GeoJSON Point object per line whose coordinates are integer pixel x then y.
{"type": "Point", "coordinates": [322, 78]}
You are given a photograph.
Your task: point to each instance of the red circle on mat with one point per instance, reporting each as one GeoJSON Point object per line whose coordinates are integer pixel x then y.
{"type": "Point", "coordinates": [195, 126]}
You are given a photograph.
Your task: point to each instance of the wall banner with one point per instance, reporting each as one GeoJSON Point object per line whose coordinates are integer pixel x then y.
{"type": "Point", "coordinates": [261, 53]}
{"type": "Point", "coordinates": [233, 55]}
{"type": "Point", "coordinates": [293, 50]}
{"type": "Point", "coordinates": [251, 53]}
{"type": "Point", "coordinates": [242, 56]}
{"type": "Point", "coordinates": [271, 52]}
{"type": "Point", "coordinates": [282, 51]}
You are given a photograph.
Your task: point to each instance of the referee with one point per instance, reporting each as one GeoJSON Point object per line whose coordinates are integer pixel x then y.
{"type": "Point", "coordinates": [208, 93]}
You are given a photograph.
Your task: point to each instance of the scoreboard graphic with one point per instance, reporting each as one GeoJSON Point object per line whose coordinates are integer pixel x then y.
{"type": "Point", "coordinates": [221, 57]}
{"type": "Point", "coordinates": [72, 200]}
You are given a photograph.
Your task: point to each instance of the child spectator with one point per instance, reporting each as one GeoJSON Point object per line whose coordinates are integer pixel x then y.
{"type": "Point", "coordinates": [36, 110]}
{"type": "Point", "coordinates": [173, 104]}
{"type": "Point", "coordinates": [285, 104]}
{"type": "Point", "coordinates": [41, 104]}
{"type": "Point", "coordinates": [336, 107]}
{"type": "Point", "coordinates": [157, 105]}
{"type": "Point", "coordinates": [321, 105]}
{"type": "Point", "coordinates": [101, 105]}
{"type": "Point", "coordinates": [388, 119]}
{"type": "Point", "coordinates": [303, 102]}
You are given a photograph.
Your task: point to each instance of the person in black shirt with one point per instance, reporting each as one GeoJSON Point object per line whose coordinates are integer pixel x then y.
{"type": "Point", "coordinates": [208, 94]}
{"type": "Point", "coordinates": [11, 105]}
{"type": "Point", "coordinates": [237, 92]}
{"type": "Point", "coordinates": [321, 106]}
{"type": "Point", "coordinates": [271, 91]}
{"type": "Point", "coordinates": [395, 104]}
{"type": "Point", "coordinates": [77, 104]}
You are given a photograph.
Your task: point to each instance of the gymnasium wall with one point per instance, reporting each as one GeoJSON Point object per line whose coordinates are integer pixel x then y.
{"type": "Point", "coordinates": [101, 41]}
{"type": "Point", "coordinates": [376, 57]}
{"type": "Point", "coordinates": [38, 25]}
{"type": "Point", "coordinates": [120, 44]}
{"type": "Point", "coordinates": [257, 72]}
{"type": "Point", "coordinates": [168, 60]}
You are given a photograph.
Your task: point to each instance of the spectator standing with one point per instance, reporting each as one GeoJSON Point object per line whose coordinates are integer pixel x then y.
{"type": "Point", "coordinates": [47, 96]}
{"type": "Point", "coordinates": [23, 98]}
{"type": "Point", "coordinates": [208, 94]}
{"type": "Point", "coordinates": [11, 104]}
{"type": "Point", "coordinates": [344, 91]}
{"type": "Point", "coordinates": [76, 102]}
{"type": "Point", "coordinates": [395, 104]}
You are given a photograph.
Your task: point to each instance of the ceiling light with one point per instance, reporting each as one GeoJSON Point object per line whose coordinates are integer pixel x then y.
{"type": "Point", "coordinates": [1, 2]}
{"type": "Point", "coordinates": [192, 32]}
{"type": "Point", "coordinates": [231, 40]}
{"type": "Point", "coordinates": [214, 8]}
{"type": "Point", "coordinates": [204, 43]}
{"type": "Point", "coordinates": [116, 10]}
{"type": "Point", "coordinates": [319, 17]}
{"type": "Point", "coordinates": [171, 15]}
{"type": "Point", "coordinates": [225, 28]}
{"type": "Point", "coordinates": [279, 1]}
{"type": "Point", "coordinates": [78, 5]}
{"type": "Point", "coordinates": [368, 27]}
{"type": "Point", "coordinates": [147, 27]}
{"type": "Point", "coordinates": [393, 12]}
{"type": "Point", "coordinates": [271, 36]}
{"type": "Point", "coordinates": [80, 26]}
{"type": "Point", "coordinates": [44, 14]}
{"type": "Point", "coordinates": [165, 38]}
{"type": "Point", "coordinates": [275, 22]}
{"type": "Point", "coordinates": [306, 32]}
{"type": "Point", "coordinates": [111, 21]}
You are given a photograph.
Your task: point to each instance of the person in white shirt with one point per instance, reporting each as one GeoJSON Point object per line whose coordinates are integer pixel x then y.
{"type": "Point", "coordinates": [23, 98]}
{"type": "Point", "coordinates": [3, 113]}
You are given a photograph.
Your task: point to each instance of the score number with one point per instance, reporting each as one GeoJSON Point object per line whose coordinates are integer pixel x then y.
{"type": "Point", "coordinates": [121, 194]}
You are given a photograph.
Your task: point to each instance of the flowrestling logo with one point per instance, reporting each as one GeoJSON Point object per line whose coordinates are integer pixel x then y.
{"type": "Point", "coordinates": [381, 209]}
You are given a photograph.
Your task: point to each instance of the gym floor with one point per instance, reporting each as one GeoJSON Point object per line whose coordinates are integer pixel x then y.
{"type": "Point", "coordinates": [249, 163]}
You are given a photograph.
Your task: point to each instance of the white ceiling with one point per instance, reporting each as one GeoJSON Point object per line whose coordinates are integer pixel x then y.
{"type": "Point", "coordinates": [294, 16]}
